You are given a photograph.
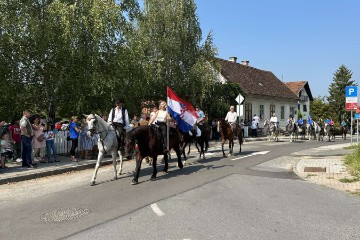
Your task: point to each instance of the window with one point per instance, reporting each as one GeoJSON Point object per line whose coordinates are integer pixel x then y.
{"type": "Point", "coordinates": [282, 114]}
{"type": "Point", "coordinates": [248, 113]}
{"type": "Point", "coordinates": [292, 111]}
{"type": "Point", "coordinates": [261, 115]}
{"type": "Point", "coordinates": [272, 109]}
{"type": "Point", "coordinates": [304, 108]}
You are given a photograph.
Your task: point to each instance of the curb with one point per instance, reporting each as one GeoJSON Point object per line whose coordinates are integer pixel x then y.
{"type": "Point", "coordinates": [51, 172]}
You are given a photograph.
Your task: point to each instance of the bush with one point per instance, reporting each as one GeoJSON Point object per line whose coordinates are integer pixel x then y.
{"type": "Point", "coordinates": [353, 161]}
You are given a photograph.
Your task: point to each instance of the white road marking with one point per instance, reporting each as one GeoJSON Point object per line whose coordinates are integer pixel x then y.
{"type": "Point", "coordinates": [249, 155]}
{"type": "Point", "coordinates": [157, 210]}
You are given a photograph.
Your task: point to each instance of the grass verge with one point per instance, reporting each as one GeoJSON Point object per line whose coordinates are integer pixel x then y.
{"type": "Point", "coordinates": [352, 162]}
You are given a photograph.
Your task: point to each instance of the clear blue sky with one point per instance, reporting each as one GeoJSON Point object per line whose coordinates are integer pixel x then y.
{"type": "Point", "coordinates": [301, 40]}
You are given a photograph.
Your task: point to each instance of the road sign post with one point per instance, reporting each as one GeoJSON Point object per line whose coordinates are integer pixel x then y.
{"type": "Point", "coordinates": [351, 102]}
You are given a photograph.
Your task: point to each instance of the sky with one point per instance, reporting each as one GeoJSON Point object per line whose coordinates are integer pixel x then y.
{"type": "Point", "coordinates": [297, 40]}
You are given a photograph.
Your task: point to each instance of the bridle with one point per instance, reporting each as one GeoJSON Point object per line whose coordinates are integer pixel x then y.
{"type": "Point", "coordinates": [94, 127]}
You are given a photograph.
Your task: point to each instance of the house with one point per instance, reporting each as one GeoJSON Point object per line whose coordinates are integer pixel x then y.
{"type": "Point", "coordinates": [302, 90]}
{"type": "Point", "coordinates": [264, 93]}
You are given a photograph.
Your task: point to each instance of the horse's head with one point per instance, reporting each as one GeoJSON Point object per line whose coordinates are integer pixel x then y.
{"type": "Point", "coordinates": [92, 122]}
{"type": "Point", "coordinates": [131, 144]}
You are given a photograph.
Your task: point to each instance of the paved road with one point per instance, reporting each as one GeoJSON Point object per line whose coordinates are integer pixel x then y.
{"type": "Point", "coordinates": [212, 198]}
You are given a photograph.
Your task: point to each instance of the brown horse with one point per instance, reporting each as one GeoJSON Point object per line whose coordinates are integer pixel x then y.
{"type": "Point", "coordinates": [227, 133]}
{"type": "Point", "coordinates": [144, 141]}
{"type": "Point", "coordinates": [343, 131]}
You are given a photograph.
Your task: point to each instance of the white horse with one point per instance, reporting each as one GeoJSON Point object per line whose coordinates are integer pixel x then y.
{"type": "Point", "coordinates": [272, 130]}
{"type": "Point", "coordinates": [107, 143]}
{"type": "Point", "coordinates": [292, 130]}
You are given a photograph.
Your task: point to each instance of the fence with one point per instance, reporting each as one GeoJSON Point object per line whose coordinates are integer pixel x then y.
{"type": "Point", "coordinates": [63, 146]}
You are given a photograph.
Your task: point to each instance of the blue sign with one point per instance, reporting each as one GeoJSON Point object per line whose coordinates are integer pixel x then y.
{"type": "Point", "coordinates": [351, 91]}
{"type": "Point", "coordinates": [357, 116]}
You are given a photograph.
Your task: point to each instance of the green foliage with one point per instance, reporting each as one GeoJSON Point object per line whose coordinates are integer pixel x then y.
{"type": "Point", "coordinates": [353, 162]}
{"type": "Point", "coordinates": [341, 79]}
{"type": "Point", "coordinates": [319, 108]}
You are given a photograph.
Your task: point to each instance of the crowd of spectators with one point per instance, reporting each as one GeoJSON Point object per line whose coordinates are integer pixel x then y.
{"type": "Point", "coordinates": [31, 139]}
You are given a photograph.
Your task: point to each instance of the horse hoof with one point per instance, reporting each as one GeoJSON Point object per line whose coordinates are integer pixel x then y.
{"type": "Point", "coordinates": [134, 182]}
{"type": "Point", "coordinates": [153, 178]}
{"type": "Point", "coordinates": [165, 171]}
{"type": "Point", "coordinates": [229, 155]}
{"type": "Point", "coordinates": [184, 163]}
{"type": "Point", "coordinates": [180, 165]}
{"type": "Point", "coordinates": [115, 178]}
{"type": "Point", "coordinates": [92, 183]}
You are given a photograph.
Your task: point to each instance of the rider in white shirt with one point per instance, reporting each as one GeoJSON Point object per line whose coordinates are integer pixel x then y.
{"type": "Point", "coordinates": [274, 120]}
{"type": "Point", "coordinates": [231, 117]}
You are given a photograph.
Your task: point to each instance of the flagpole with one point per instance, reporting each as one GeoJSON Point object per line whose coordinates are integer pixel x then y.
{"type": "Point", "coordinates": [167, 122]}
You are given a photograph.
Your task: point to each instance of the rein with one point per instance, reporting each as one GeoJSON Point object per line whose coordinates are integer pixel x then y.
{"type": "Point", "coordinates": [93, 130]}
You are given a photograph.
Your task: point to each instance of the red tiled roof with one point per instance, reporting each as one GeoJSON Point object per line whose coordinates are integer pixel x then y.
{"type": "Point", "coordinates": [254, 81]}
{"type": "Point", "coordinates": [296, 87]}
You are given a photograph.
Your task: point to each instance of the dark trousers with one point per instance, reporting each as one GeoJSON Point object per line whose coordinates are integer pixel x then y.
{"type": "Point", "coordinates": [26, 150]}
{"type": "Point", "coordinates": [120, 133]}
{"type": "Point", "coordinates": [74, 145]}
{"type": "Point", "coordinates": [163, 131]}
{"type": "Point", "coordinates": [254, 132]}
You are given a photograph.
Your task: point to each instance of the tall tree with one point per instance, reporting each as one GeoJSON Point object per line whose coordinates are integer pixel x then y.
{"type": "Point", "coordinates": [172, 51]}
{"type": "Point", "coordinates": [336, 99]}
{"type": "Point", "coordinates": [319, 108]}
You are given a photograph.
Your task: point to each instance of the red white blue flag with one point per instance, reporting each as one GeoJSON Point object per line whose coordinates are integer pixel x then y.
{"type": "Point", "coordinates": [182, 111]}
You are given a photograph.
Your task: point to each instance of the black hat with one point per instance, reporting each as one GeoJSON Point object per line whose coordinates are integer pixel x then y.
{"type": "Point", "coordinates": [119, 100]}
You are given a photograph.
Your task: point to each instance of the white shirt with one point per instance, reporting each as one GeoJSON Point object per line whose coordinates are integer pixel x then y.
{"type": "Point", "coordinates": [161, 116]}
{"type": "Point", "coordinates": [254, 124]}
{"type": "Point", "coordinates": [231, 117]}
{"type": "Point", "coordinates": [257, 119]}
{"type": "Point", "coordinates": [118, 116]}
{"type": "Point", "coordinates": [274, 119]}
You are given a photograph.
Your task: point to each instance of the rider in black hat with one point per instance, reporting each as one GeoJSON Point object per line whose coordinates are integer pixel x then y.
{"type": "Point", "coordinates": [119, 118]}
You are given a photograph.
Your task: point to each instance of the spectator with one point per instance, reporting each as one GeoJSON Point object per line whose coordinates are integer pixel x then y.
{"type": "Point", "coordinates": [135, 121]}
{"type": "Point", "coordinates": [74, 131]}
{"type": "Point", "coordinates": [1, 125]}
{"type": "Point", "coordinates": [254, 128]}
{"type": "Point", "coordinates": [257, 120]}
{"type": "Point", "coordinates": [15, 139]}
{"type": "Point", "coordinates": [86, 142]}
{"type": "Point", "coordinates": [39, 140]}
{"type": "Point", "coordinates": [26, 139]}
{"type": "Point", "coordinates": [5, 149]}
{"type": "Point", "coordinates": [50, 144]}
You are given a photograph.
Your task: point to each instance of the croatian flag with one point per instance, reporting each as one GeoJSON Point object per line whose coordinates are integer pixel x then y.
{"type": "Point", "coordinates": [182, 111]}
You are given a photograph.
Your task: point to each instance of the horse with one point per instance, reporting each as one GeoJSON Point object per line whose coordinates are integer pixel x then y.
{"type": "Point", "coordinates": [272, 130]}
{"type": "Point", "coordinates": [226, 133]}
{"type": "Point", "coordinates": [292, 130]}
{"type": "Point", "coordinates": [319, 131]}
{"type": "Point", "coordinates": [187, 139]}
{"type": "Point", "coordinates": [301, 130]}
{"type": "Point", "coordinates": [343, 131]}
{"type": "Point", "coordinates": [310, 131]}
{"type": "Point", "coordinates": [144, 141]}
{"type": "Point", "coordinates": [329, 131]}
{"type": "Point", "coordinates": [107, 142]}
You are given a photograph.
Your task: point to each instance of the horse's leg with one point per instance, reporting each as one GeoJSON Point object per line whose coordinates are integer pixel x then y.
{"type": "Point", "coordinates": [178, 154]}
{"type": "Point", "coordinates": [153, 176]}
{"type": "Point", "coordinates": [99, 159]}
{"type": "Point", "coordinates": [166, 163]}
{"type": "Point", "coordinates": [222, 147]}
{"type": "Point", "coordinates": [138, 160]}
{"type": "Point", "coordinates": [231, 146]}
{"type": "Point", "coordinates": [121, 163]}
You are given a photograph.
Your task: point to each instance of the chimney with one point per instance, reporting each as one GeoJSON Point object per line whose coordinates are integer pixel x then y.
{"type": "Point", "coordinates": [233, 59]}
{"type": "Point", "coordinates": [245, 62]}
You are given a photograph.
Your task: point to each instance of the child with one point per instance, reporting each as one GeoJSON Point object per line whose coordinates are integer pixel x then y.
{"type": "Point", "coordinates": [50, 145]}
{"type": "Point", "coordinates": [5, 148]}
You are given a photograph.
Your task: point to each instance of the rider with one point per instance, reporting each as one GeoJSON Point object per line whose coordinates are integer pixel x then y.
{"type": "Point", "coordinates": [327, 121]}
{"type": "Point", "coordinates": [291, 119]}
{"type": "Point", "coordinates": [119, 118]}
{"type": "Point", "coordinates": [160, 118]}
{"type": "Point", "coordinates": [300, 122]}
{"type": "Point", "coordinates": [231, 117]}
{"type": "Point", "coordinates": [331, 123]}
{"type": "Point", "coordinates": [343, 123]}
{"type": "Point", "coordinates": [274, 120]}
{"type": "Point", "coordinates": [200, 121]}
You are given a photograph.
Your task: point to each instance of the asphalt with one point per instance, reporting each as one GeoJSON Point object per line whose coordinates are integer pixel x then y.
{"type": "Point", "coordinates": [323, 165]}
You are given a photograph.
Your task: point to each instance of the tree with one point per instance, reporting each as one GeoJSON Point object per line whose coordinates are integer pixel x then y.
{"type": "Point", "coordinates": [168, 42]}
{"type": "Point", "coordinates": [319, 108]}
{"type": "Point", "coordinates": [341, 79]}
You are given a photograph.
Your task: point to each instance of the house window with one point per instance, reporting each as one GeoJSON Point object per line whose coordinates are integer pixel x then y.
{"type": "Point", "coordinates": [304, 108]}
{"type": "Point", "coordinates": [248, 113]}
{"type": "Point", "coordinates": [282, 114]}
{"type": "Point", "coordinates": [292, 111]}
{"type": "Point", "coordinates": [272, 109]}
{"type": "Point", "coordinates": [261, 115]}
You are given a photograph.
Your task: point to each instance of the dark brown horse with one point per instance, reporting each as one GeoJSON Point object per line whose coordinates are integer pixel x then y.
{"type": "Point", "coordinates": [227, 133]}
{"type": "Point", "coordinates": [343, 131]}
{"type": "Point", "coordinates": [144, 141]}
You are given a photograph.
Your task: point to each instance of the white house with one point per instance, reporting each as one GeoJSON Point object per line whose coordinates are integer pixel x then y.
{"type": "Point", "coordinates": [302, 90]}
{"type": "Point", "coordinates": [264, 93]}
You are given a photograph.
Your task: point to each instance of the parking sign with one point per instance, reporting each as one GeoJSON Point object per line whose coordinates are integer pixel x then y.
{"type": "Point", "coordinates": [351, 98]}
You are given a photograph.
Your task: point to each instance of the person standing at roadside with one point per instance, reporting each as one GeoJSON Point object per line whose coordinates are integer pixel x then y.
{"type": "Point", "coordinates": [26, 139]}
{"type": "Point", "coordinates": [74, 131]}
{"type": "Point", "coordinates": [15, 133]}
